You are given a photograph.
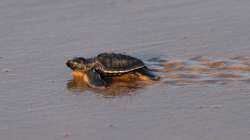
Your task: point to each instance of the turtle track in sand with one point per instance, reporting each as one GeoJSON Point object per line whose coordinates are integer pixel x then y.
{"type": "Point", "coordinates": [202, 70]}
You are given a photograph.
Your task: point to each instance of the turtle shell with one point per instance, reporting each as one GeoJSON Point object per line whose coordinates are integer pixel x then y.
{"type": "Point", "coordinates": [115, 63]}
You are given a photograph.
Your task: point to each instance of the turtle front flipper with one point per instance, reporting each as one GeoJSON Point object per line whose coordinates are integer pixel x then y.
{"type": "Point", "coordinates": [146, 74]}
{"type": "Point", "coordinates": [94, 79]}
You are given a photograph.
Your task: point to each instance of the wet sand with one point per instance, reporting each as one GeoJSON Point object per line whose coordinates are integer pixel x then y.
{"type": "Point", "coordinates": [200, 48]}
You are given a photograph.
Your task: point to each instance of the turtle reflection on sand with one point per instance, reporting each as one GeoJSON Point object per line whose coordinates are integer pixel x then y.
{"type": "Point", "coordinates": [104, 69]}
{"type": "Point", "coordinates": [118, 88]}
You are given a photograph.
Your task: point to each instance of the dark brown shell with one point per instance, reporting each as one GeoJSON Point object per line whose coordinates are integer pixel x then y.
{"type": "Point", "coordinates": [115, 63]}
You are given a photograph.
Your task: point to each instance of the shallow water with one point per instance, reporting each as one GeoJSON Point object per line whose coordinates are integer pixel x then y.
{"type": "Point", "coordinates": [200, 48]}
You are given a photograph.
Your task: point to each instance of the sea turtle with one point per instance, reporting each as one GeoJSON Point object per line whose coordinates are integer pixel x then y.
{"type": "Point", "coordinates": [110, 65]}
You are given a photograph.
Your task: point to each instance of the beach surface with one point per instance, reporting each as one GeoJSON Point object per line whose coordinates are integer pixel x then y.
{"type": "Point", "coordinates": [200, 48]}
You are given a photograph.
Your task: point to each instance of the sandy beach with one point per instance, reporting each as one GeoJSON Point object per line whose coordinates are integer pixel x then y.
{"type": "Point", "coordinates": [200, 48]}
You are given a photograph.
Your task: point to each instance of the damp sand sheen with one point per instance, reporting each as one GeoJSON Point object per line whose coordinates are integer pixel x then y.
{"type": "Point", "coordinates": [197, 98]}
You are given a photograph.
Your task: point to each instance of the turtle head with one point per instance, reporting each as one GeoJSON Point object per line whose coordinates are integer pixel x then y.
{"type": "Point", "coordinates": [78, 63]}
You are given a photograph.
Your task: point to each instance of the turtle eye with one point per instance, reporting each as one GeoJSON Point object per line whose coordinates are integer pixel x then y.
{"type": "Point", "coordinates": [79, 66]}
{"type": "Point", "coordinates": [75, 64]}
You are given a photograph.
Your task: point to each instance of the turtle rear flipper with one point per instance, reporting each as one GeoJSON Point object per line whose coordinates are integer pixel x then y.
{"type": "Point", "coordinates": [146, 74]}
{"type": "Point", "coordinates": [94, 79]}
